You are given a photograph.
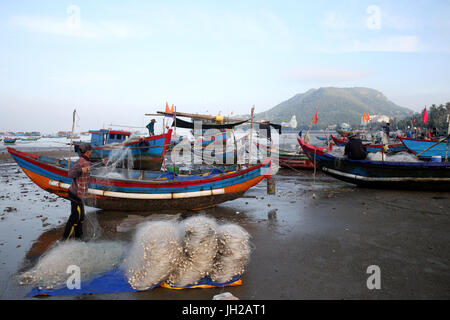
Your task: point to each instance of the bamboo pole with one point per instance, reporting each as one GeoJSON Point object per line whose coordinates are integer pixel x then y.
{"type": "Point", "coordinates": [71, 137]}
{"type": "Point", "coordinates": [205, 117]}
{"type": "Point", "coordinates": [251, 136]}
{"type": "Point", "coordinates": [448, 137]}
{"type": "Point", "coordinates": [175, 135]}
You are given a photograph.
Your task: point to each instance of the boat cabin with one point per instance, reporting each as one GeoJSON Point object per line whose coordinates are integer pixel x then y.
{"type": "Point", "coordinates": [102, 137]}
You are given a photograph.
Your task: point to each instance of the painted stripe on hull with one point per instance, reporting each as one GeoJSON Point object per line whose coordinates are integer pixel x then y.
{"type": "Point", "coordinates": [107, 186]}
{"type": "Point", "coordinates": [129, 195]}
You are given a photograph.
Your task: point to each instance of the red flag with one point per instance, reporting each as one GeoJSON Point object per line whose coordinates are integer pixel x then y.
{"type": "Point", "coordinates": [368, 116]}
{"type": "Point", "coordinates": [425, 116]}
{"type": "Point", "coordinates": [167, 107]}
{"type": "Point", "coordinates": [315, 118]}
{"type": "Point", "coordinates": [172, 109]}
{"type": "Point", "coordinates": [364, 117]}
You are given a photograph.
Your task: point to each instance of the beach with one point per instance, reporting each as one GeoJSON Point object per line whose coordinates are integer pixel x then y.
{"type": "Point", "coordinates": [314, 239]}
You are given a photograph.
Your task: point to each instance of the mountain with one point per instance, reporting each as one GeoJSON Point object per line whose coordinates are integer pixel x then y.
{"type": "Point", "coordinates": [336, 105]}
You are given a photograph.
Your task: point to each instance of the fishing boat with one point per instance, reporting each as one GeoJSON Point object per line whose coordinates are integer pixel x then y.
{"type": "Point", "coordinates": [289, 159]}
{"type": "Point", "coordinates": [382, 174]}
{"type": "Point", "coordinates": [322, 138]}
{"type": "Point", "coordinates": [146, 153]}
{"type": "Point", "coordinates": [427, 149]}
{"type": "Point", "coordinates": [371, 147]}
{"type": "Point", "coordinates": [140, 190]}
{"type": "Point", "coordinates": [9, 140]}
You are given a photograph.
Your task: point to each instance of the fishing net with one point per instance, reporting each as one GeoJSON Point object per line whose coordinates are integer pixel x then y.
{"type": "Point", "coordinates": [154, 254]}
{"type": "Point", "coordinates": [199, 250]}
{"type": "Point", "coordinates": [91, 258]}
{"type": "Point", "coordinates": [398, 157]}
{"type": "Point", "coordinates": [233, 252]}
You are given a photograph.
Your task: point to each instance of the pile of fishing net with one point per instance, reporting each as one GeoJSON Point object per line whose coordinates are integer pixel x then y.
{"type": "Point", "coordinates": [195, 252]}
{"type": "Point", "coordinates": [185, 254]}
{"type": "Point", "coordinates": [92, 258]}
{"type": "Point", "coordinates": [397, 157]}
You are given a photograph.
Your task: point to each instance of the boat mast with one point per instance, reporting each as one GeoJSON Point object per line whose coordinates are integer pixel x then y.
{"type": "Point", "coordinates": [71, 137]}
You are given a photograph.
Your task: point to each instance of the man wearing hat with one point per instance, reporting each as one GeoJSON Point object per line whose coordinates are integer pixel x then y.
{"type": "Point", "coordinates": [77, 192]}
{"type": "Point", "coordinates": [151, 127]}
{"type": "Point", "coordinates": [354, 148]}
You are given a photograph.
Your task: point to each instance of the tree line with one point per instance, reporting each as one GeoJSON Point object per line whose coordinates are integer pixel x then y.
{"type": "Point", "coordinates": [437, 118]}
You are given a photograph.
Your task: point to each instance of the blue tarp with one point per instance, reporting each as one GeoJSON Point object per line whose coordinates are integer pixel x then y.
{"type": "Point", "coordinates": [113, 281]}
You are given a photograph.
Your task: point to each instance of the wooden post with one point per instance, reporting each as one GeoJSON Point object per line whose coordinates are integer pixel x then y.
{"type": "Point", "coordinates": [175, 130]}
{"type": "Point", "coordinates": [71, 137]}
{"type": "Point", "coordinates": [251, 136]}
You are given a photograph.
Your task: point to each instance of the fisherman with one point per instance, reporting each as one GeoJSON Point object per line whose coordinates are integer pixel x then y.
{"type": "Point", "coordinates": [354, 148]}
{"type": "Point", "coordinates": [77, 192]}
{"type": "Point", "coordinates": [151, 127]}
{"type": "Point", "coordinates": [387, 131]}
{"type": "Point", "coordinates": [409, 133]}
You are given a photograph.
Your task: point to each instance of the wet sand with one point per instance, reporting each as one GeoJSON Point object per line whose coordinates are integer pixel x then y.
{"type": "Point", "coordinates": [314, 239]}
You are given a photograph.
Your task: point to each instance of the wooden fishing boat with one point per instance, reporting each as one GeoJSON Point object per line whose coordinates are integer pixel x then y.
{"type": "Point", "coordinates": [418, 147]}
{"type": "Point", "coordinates": [289, 159]}
{"type": "Point", "coordinates": [144, 190]}
{"type": "Point", "coordinates": [147, 153]}
{"type": "Point", "coordinates": [371, 147]}
{"type": "Point", "coordinates": [382, 174]}
{"type": "Point", "coordinates": [322, 138]}
{"type": "Point", "coordinates": [9, 140]}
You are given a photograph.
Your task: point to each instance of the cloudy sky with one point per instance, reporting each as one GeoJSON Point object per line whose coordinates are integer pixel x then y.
{"type": "Point", "coordinates": [114, 61]}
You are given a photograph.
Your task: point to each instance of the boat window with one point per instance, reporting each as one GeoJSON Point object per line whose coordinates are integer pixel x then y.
{"type": "Point", "coordinates": [112, 136]}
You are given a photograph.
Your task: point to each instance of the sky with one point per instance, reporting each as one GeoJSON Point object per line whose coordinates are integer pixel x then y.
{"type": "Point", "coordinates": [114, 61]}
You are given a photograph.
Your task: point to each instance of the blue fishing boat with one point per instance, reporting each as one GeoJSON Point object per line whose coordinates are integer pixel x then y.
{"type": "Point", "coordinates": [382, 174]}
{"type": "Point", "coordinates": [146, 153]}
{"type": "Point", "coordinates": [418, 146]}
{"type": "Point", "coordinates": [9, 140]}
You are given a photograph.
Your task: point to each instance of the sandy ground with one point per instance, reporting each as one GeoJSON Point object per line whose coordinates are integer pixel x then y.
{"type": "Point", "coordinates": [314, 239]}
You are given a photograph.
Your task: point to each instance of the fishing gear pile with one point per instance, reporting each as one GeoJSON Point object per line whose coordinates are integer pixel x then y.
{"type": "Point", "coordinates": [154, 254]}
{"type": "Point", "coordinates": [233, 253]}
{"type": "Point", "coordinates": [200, 247]}
{"type": "Point", "coordinates": [91, 257]}
{"type": "Point", "coordinates": [183, 254]}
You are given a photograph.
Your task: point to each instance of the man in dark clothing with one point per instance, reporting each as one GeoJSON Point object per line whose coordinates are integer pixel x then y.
{"type": "Point", "coordinates": [77, 192]}
{"type": "Point", "coordinates": [151, 127]}
{"type": "Point", "coordinates": [354, 149]}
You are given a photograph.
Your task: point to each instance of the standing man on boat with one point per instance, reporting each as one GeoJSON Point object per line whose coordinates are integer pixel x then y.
{"type": "Point", "coordinates": [354, 148]}
{"type": "Point", "coordinates": [80, 173]}
{"type": "Point", "coordinates": [387, 131]}
{"type": "Point", "coordinates": [151, 127]}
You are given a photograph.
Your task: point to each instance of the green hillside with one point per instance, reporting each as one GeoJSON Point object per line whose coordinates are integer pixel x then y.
{"type": "Point", "coordinates": [337, 105]}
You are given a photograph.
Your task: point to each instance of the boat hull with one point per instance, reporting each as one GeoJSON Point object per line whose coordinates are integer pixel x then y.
{"type": "Point", "coordinates": [379, 174]}
{"type": "Point", "coordinates": [148, 153]}
{"type": "Point", "coordinates": [137, 195]}
{"type": "Point", "coordinates": [417, 146]}
{"type": "Point", "coordinates": [372, 148]}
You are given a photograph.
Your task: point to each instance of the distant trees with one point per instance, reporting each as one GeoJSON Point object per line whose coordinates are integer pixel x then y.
{"type": "Point", "coordinates": [437, 118]}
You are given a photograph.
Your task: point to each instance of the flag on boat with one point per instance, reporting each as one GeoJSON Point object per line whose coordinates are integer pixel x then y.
{"type": "Point", "coordinates": [315, 118]}
{"type": "Point", "coordinates": [167, 107]}
{"type": "Point", "coordinates": [425, 116]}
